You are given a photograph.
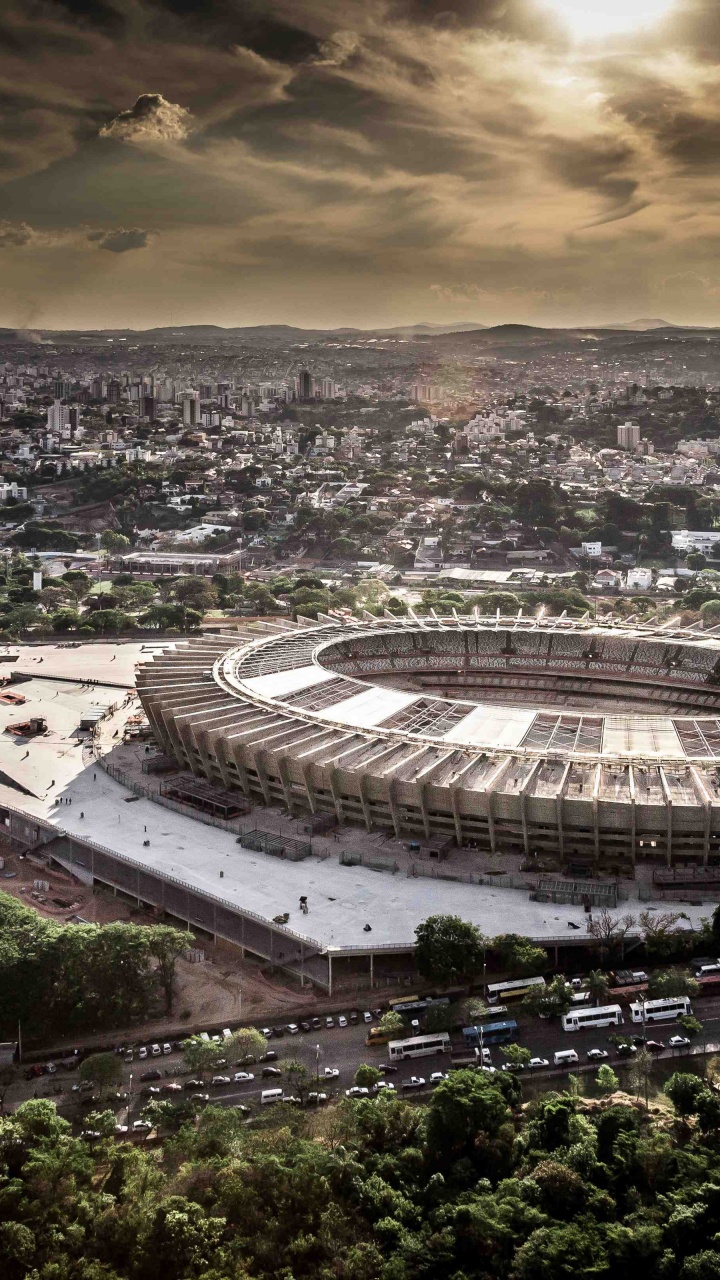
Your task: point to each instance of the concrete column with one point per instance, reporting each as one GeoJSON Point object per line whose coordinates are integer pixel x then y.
{"type": "Point", "coordinates": [263, 778]}
{"type": "Point", "coordinates": [394, 813]}
{"type": "Point", "coordinates": [286, 786]}
{"type": "Point", "coordinates": [337, 798]}
{"type": "Point", "coordinates": [365, 800]}
{"type": "Point", "coordinates": [309, 791]}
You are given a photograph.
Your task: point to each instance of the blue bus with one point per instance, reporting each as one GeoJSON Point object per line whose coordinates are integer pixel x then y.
{"type": "Point", "coordinates": [490, 1033]}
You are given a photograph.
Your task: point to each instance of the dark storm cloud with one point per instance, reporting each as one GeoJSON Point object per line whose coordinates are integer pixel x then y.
{"type": "Point", "coordinates": [595, 164]}
{"type": "Point", "coordinates": [120, 241]}
{"type": "Point", "coordinates": [273, 153]}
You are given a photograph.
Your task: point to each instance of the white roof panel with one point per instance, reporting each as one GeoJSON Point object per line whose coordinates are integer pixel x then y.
{"type": "Point", "coordinates": [492, 726]}
{"type": "Point", "coordinates": [641, 736]}
{"type": "Point", "coordinates": [365, 710]}
{"type": "Point", "coordinates": [280, 683]}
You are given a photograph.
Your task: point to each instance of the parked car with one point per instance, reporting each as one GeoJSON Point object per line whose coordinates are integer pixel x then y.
{"type": "Point", "coordinates": [305, 1026]}
{"type": "Point", "coordinates": [437, 1077]}
{"type": "Point", "coordinates": [151, 1091]}
{"type": "Point", "coordinates": [538, 1064]}
{"type": "Point", "coordinates": [152, 1074]}
{"type": "Point", "coordinates": [142, 1053]}
{"type": "Point", "coordinates": [270, 1071]}
{"type": "Point", "coordinates": [155, 1050]}
{"type": "Point", "coordinates": [193, 1084]}
{"type": "Point", "coordinates": [679, 1042]}
{"type": "Point", "coordinates": [387, 1068]}
{"type": "Point", "coordinates": [597, 1055]}
{"type": "Point", "coordinates": [293, 1028]}
{"type": "Point", "coordinates": [270, 1056]}
{"type": "Point", "coordinates": [329, 1022]}
{"type": "Point", "coordinates": [316, 1024]}
{"type": "Point", "coordinates": [128, 1055]}
{"type": "Point", "coordinates": [342, 1020]}
{"type": "Point", "coordinates": [141, 1126]}
{"type": "Point", "coordinates": [415, 1082]}
{"type": "Point", "coordinates": [167, 1047]}
{"type": "Point", "coordinates": [383, 1086]}
{"type": "Point", "coordinates": [242, 1077]}
{"type": "Point", "coordinates": [279, 1032]}
{"type": "Point", "coordinates": [354, 1017]}
{"type": "Point", "coordinates": [367, 1016]}
{"type": "Point", "coordinates": [357, 1091]}
{"type": "Point", "coordinates": [331, 1073]}
{"type": "Point", "coordinates": [121, 1128]}
{"type": "Point", "coordinates": [267, 1033]}
{"type": "Point", "coordinates": [655, 1046]}
{"type": "Point", "coordinates": [626, 1050]}
{"type": "Point", "coordinates": [221, 1080]}
{"type": "Point", "coordinates": [199, 1097]}
{"type": "Point", "coordinates": [316, 1098]}
{"type": "Point", "coordinates": [172, 1086]}
{"type": "Point", "coordinates": [244, 1111]}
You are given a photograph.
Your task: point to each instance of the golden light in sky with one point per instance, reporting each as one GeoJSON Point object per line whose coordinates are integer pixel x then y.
{"type": "Point", "coordinates": [593, 19]}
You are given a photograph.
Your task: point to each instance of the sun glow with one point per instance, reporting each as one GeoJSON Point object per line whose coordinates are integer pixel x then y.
{"type": "Point", "coordinates": [593, 19]}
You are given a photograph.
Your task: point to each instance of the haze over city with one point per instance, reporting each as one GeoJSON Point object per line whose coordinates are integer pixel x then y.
{"type": "Point", "coordinates": [375, 163]}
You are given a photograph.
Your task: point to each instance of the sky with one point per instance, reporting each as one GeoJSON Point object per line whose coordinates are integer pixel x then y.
{"type": "Point", "coordinates": [358, 162]}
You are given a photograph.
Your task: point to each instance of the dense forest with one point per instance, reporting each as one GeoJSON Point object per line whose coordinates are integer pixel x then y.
{"type": "Point", "coordinates": [471, 1185]}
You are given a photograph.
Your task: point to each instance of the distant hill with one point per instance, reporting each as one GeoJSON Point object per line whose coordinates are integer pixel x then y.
{"type": "Point", "coordinates": [639, 326]}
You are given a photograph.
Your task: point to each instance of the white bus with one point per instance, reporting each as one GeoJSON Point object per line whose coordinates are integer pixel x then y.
{"type": "Point", "coordinates": [419, 1046]}
{"type": "Point", "coordinates": [607, 1015]}
{"type": "Point", "coordinates": [498, 992]}
{"type": "Point", "coordinates": [660, 1010]}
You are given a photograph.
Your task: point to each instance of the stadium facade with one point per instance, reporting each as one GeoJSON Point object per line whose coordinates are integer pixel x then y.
{"type": "Point", "coordinates": [596, 743]}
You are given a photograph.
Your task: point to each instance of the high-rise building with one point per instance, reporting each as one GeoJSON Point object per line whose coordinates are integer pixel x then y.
{"type": "Point", "coordinates": [113, 391]}
{"type": "Point", "coordinates": [425, 393]}
{"type": "Point", "coordinates": [97, 389]}
{"type": "Point", "coordinates": [62, 388]}
{"type": "Point", "coordinates": [58, 416]}
{"type": "Point", "coordinates": [628, 435]}
{"type": "Point", "coordinates": [329, 389]}
{"type": "Point", "coordinates": [150, 407]}
{"type": "Point", "coordinates": [191, 409]}
{"type": "Point", "coordinates": [306, 385]}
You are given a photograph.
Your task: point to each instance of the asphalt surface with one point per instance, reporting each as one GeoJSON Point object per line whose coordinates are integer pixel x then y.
{"type": "Point", "coordinates": [344, 1048]}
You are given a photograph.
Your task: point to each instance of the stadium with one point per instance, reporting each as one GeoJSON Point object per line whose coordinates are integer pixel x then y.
{"type": "Point", "coordinates": [592, 743]}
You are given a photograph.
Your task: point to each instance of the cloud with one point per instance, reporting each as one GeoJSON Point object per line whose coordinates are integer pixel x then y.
{"type": "Point", "coordinates": [120, 241]}
{"type": "Point", "coordinates": [150, 119]}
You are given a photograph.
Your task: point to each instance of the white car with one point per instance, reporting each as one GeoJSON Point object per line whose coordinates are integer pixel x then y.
{"type": "Point", "coordinates": [342, 1020]}
{"type": "Point", "coordinates": [155, 1050]}
{"type": "Point", "coordinates": [167, 1048]}
{"type": "Point", "coordinates": [142, 1053]}
{"type": "Point", "coordinates": [438, 1076]}
{"type": "Point", "coordinates": [415, 1082]}
{"type": "Point", "coordinates": [221, 1080]}
{"type": "Point", "coordinates": [383, 1086]}
{"type": "Point", "coordinates": [367, 1016]}
{"type": "Point", "coordinates": [173, 1086]}
{"type": "Point", "coordinates": [679, 1042]}
{"type": "Point", "coordinates": [331, 1073]}
{"type": "Point", "coordinates": [242, 1077]}
{"type": "Point", "coordinates": [293, 1029]}
{"type": "Point", "coordinates": [485, 1056]}
{"type": "Point", "coordinates": [597, 1055]}
{"type": "Point", "coordinates": [490, 1070]}
{"type": "Point", "coordinates": [537, 1064]}
{"type": "Point", "coordinates": [317, 1098]}
{"type": "Point", "coordinates": [357, 1091]}
{"type": "Point", "coordinates": [121, 1128]}
{"type": "Point", "coordinates": [141, 1126]}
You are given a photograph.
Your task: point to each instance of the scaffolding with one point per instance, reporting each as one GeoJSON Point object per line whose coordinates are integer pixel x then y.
{"type": "Point", "coordinates": [277, 846]}
{"type": "Point", "coordinates": [203, 796]}
{"type": "Point", "coordinates": [579, 893]}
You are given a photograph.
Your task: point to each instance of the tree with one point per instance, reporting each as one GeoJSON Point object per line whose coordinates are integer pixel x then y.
{"type": "Point", "coordinates": [366, 1076]}
{"type": "Point", "coordinates": [464, 1107]}
{"type": "Point", "coordinates": [672, 982]}
{"type": "Point", "coordinates": [65, 620]}
{"type": "Point", "coordinates": [392, 1024]}
{"type": "Point", "coordinates": [640, 1073]}
{"type": "Point", "coordinates": [517, 1055]}
{"type": "Point", "coordinates": [549, 1001]}
{"type": "Point", "coordinates": [166, 945]}
{"type": "Point", "coordinates": [696, 560]}
{"type": "Point", "coordinates": [520, 956]}
{"type": "Point", "coordinates": [103, 1069]}
{"type": "Point", "coordinates": [662, 937]}
{"type": "Point", "coordinates": [298, 1077]}
{"type": "Point", "coordinates": [683, 1091]}
{"type": "Point", "coordinates": [598, 986]}
{"type": "Point", "coordinates": [691, 1026]}
{"type": "Point", "coordinates": [202, 1055]}
{"type": "Point", "coordinates": [610, 932]}
{"type": "Point", "coordinates": [448, 949]}
{"type": "Point", "coordinates": [111, 541]}
{"type": "Point", "coordinates": [606, 1080]}
{"type": "Point", "coordinates": [248, 1042]}
{"type": "Point", "coordinates": [109, 621]}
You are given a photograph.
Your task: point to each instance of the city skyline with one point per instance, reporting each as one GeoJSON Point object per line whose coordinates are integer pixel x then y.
{"type": "Point", "coordinates": [550, 162]}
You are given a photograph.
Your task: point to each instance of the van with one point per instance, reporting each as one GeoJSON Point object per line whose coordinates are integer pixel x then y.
{"type": "Point", "coordinates": [271, 1095]}
{"type": "Point", "coordinates": [565, 1057]}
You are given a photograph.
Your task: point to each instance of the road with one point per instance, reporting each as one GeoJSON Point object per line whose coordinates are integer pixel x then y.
{"type": "Point", "coordinates": [345, 1049]}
